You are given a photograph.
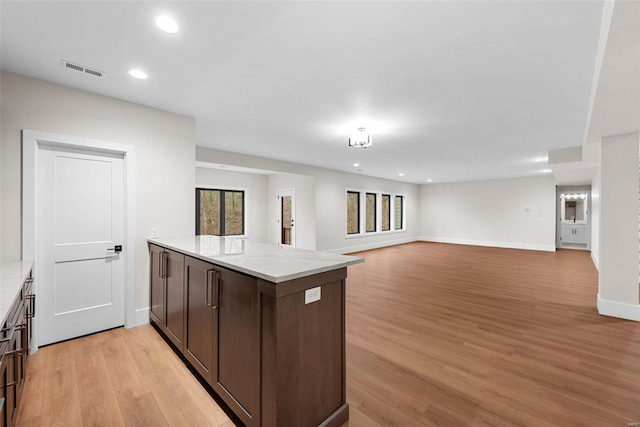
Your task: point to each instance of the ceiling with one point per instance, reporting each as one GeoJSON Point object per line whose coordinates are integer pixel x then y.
{"type": "Point", "coordinates": [451, 91]}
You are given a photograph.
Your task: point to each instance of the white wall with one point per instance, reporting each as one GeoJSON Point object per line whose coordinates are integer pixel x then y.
{"type": "Point", "coordinates": [255, 196]}
{"type": "Point", "coordinates": [330, 189]}
{"type": "Point", "coordinates": [595, 219]}
{"type": "Point", "coordinates": [618, 255]}
{"type": "Point", "coordinates": [165, 154]}
{"type": "Point", "coordinates": [331, 214]}
{"type": "Point", "coordinates": [491, 213]}
{"type": "Point", "coordinates": [305, 206]}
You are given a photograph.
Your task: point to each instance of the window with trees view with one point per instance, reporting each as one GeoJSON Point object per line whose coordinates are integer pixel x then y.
{"type": "Point", "coordinates": [374, 213]}
{"type": "Point", "coordinates": [219, 212]}
{"type": "Point", "coordinates": [386, 212]}
{"type": "Point", "coordinates": [353, 212]}
{"type": "Point", "coordinates": [371, 213]}
{"type": "Point", "coordinates": [399, 206]}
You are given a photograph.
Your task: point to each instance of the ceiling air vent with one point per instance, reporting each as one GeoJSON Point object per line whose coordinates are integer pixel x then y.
{"type": "Point", "coordinates": [82, 68]}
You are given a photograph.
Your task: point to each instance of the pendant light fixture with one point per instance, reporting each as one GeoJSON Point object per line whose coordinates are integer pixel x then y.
{"type": "Point", "coordinates": [361, 139]}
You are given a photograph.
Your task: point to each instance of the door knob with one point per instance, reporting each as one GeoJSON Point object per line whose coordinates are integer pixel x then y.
{"type": "Point", "coordinates": [116, 248]}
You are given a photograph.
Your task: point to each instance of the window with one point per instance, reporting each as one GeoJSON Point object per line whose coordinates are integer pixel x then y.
{"type": "Point", "coordinates": [398, 211]}
{"type": "Point", "coordinates": [386, 212]}
{"type": "Point", "coordinates": [371, 213]}
{"type": "Point", "coordinates": [353, 212]}
{"type": "Point", "coordinates": [219, 212]}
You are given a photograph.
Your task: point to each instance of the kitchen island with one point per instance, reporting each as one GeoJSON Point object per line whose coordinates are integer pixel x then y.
{"type": "Point", "coordinates": [262, 324]}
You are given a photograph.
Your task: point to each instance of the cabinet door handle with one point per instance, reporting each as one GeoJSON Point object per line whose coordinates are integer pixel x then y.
{"type": "Point", "coordinates": [164, 264]}
{"type": "Point", "coordinates": [214, 305]}
{"type": "Point", "coordinates": [160, 264]}
{"type": "Point", "coordinates": [207, 287]}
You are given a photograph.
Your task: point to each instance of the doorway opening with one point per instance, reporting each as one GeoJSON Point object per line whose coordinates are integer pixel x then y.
{"type": "Point", "coordinates": [573, 219]}
{"type": "Point", "coordinates": [286, 217]}
{"type": "Point", "coordinates": [79, 228]}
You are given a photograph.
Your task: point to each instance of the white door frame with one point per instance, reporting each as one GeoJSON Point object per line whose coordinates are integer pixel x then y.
{"type": "Point", "coordinates": [291, 190]}
{"type": "Point", "coordinates": [31, 141]}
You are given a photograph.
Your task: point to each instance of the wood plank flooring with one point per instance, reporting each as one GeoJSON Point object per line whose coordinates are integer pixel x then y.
{"type": "Point", "coordinates": [451, 335]}
{"type": "Point", "coordinates": [121, 377]}
{"type": "Point", "coordinates": [437, 335]}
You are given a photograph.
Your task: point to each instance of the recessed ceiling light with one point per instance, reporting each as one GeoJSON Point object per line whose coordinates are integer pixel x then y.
{"type": "Point", "coordinates": [429, 180]}
{"type": "Point", "coordinates": [356, 164]}
{"type": "Point", "coordinates": [137, 74]}
{"type": "Point", "coordinates": [400, 174]}
{"type": "Point", "coordinates": [166, 24]}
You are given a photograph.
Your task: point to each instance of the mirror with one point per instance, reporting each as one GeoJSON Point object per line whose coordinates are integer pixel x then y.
{"type": "Point", "coordinates": [574, 207]}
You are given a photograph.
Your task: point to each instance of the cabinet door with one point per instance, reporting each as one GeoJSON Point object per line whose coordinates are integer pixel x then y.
{"type": "Point", "coordinates": [237, 377]}
{"type": "Point", "coordinates": [174, 302]}
{"type": "Point", "coordinates": [12, 378]}
{"type": "Point", "coordinates": [21, 350]}
{"type": "Point", "coordinates": [581, 236]}
{"type": "Point", "coordinates": [4, 388]}
{"type": "Point", "coordinates": [567, 235]}
{"type": "Point", "coordinates": [198, 347]}
{"type": "Point", "coordinates": [156, 285]}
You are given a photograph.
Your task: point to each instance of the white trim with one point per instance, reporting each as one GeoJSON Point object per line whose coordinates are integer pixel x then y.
{"type": "Point", "coordinates": [510, 245]}
{"type": "Point", "coordinates": [374, 233]}
{"type": "Point", "coordinates": [30, 143]}
{"type": "Point", "coordinates": [369, 246]}
{"type": "Point", "coordinates": [142, 316]}
{"type": "Point", "coordinates": [595, 261]}
{"type": "Point", "coordinates": [618, 309]}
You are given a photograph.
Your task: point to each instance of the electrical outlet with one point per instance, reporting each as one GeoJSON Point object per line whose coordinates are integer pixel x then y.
{"type": "Point", "coordinates": [153, 233]}
{"type": "Point", "coordinates": [312, 295]}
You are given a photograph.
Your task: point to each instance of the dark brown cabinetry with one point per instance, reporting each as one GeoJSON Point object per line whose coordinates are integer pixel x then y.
{"type": "Point", "coordinates": [222, 339]}
{"type": "Point", "coordinates": [156, 282]}
{"type": "Point", "coordinates": [271, 357]}
{"type": "Point", "coordinates": [167, 293]}
{"type": "Point", "coordinates": [237, 377]}
{"type": "Point", "coordinates": [15, 345]}
{"type": "Point", "coordinates": [198, 349]}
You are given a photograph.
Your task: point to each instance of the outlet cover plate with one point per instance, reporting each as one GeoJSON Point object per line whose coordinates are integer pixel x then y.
{"type": "Point", "coordinates": [312, 295]}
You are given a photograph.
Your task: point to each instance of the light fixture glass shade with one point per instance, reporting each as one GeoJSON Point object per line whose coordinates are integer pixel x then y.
{"type": "Point", "coordinates": [361, 139]}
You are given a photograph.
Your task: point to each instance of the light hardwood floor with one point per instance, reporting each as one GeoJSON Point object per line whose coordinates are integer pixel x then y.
{"type": "Point", "coordinates": [437, 335]}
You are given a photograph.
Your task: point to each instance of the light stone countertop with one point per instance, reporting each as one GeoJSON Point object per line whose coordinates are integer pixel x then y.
{"type": "Point", "coordinates": [12, 277]}
{"type": "Point", "coordinates": [265, 261]}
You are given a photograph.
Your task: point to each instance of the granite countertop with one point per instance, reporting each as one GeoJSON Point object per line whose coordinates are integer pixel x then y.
{"type": "Point", "coordinates": [12, 276]}
{"type": "Point", "coordinates": [266, 261]}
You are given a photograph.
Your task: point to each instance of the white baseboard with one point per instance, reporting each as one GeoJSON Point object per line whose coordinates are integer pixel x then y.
{"type": "Point", "coordinates": [369, 246]}
{"type": "Point", "coordinates": [142, 316]}
{"type": "Point", "coordinates": [595, 261]}
{"type": "Point", "coordinates": [618, 309]}
{"type": "Point", "coordinates": [509, 245]}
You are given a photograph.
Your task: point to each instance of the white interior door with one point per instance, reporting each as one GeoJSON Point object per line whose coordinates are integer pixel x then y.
{"type": "Point", "coordinates": [80, 204]}
{"type": "Point", "coordinates": [286, 217]}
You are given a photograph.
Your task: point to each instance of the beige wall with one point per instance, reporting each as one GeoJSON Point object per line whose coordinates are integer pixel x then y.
{"type": "Point", "coordinates": [255, 188]}
{"type": "Point", "coordinates": [491, 213]}
{"type": "Point", "coordinates": [164, 152]}
{"type": "Point", "coordinates": [330, 205]}
{"type": "Point", "coordinates": [618, 279]}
